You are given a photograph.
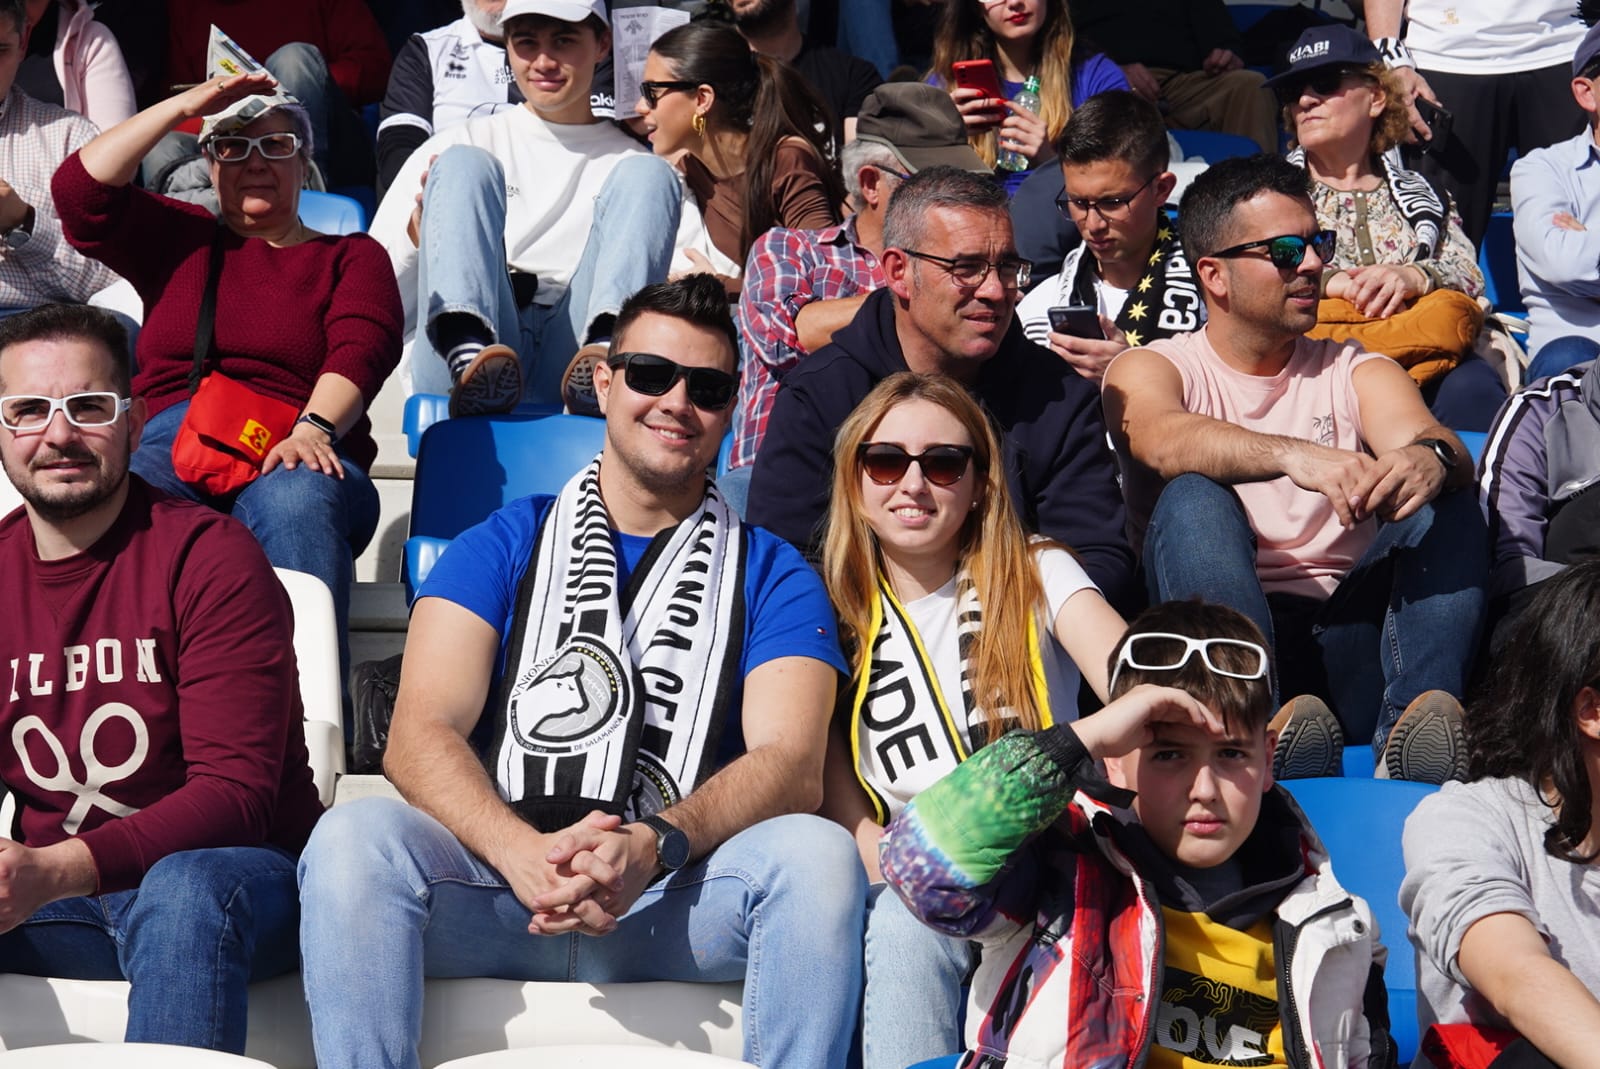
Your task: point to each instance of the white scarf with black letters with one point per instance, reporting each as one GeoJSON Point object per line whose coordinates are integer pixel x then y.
{"type": "Point", "coordinates": [898, 712]}
{"type": "Point", "coordinates": [615, 699]}
{"type": "Point", "coordinates": [1420, 204]}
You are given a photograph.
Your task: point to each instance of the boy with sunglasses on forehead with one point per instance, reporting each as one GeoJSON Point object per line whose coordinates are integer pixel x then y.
{"type": "Point", "coordinates": [610, 727]}
{"type": "Point", "coordinates": [1176, 910]}
{"type": "Point", "coordinates": [1306, 484]}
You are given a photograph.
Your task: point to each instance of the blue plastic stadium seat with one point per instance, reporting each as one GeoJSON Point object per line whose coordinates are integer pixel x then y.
{"type": "Point", "coordinates": [1212, 146]}
{"type": "Point", "coordinates": [724, 454]}
{"type": "Point", "coordinates": [1497, 259]}
{"type": "Point", "coordinates": [1360, 822]}
{"type": "Point", "coordinates": [467, 468]}
{"type": "Point", "coordinates": [1474, 441]}
{"type": "Point", "coordinates": [332, 213]}
{"type": "Point", "coordinates": [423, 410]}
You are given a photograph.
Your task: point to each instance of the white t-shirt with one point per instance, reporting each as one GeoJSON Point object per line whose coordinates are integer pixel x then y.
{"type": "Point", "coordinates": [553, 173]}
{"type": "Point", "coordinates": [1492, 36]}
{"type": "Point", "coordinates": [935, 620]}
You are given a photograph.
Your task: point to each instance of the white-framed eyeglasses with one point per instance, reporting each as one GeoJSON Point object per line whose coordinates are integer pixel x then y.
{"type": "Point", "coordinates": [29, 412]}
{"type": "Point", "coordinates": [1163, 651]}
{"type": "Point", "coordinates": [235, 148]}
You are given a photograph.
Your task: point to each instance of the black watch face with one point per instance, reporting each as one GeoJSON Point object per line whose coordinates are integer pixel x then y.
{"type": "Point", "coordinates": [673, 849]}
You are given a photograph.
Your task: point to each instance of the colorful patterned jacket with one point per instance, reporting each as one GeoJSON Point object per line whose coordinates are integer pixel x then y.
{"type": "Point", "coordinates": [1014, 849]}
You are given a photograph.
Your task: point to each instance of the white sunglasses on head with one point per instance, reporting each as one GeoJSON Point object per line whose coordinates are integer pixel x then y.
{"type": "Point", "coordinates": [1152, 651]}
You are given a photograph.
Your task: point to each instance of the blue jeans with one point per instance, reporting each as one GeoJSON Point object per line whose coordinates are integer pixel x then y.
{"type": "Point", "coordinates": [1404, 620]}
{"type": "Point", "coordinates": [391, 896]}
{"type": "Point", "coordinates": [304, 520]}
{"type": "Point", "coordinates": [202, 925]}
{"type": "Point", "coordinates": [1556, 356]}
{"type": "Point", "coordinates": [912, 1009]}
{"type": "Point", "coordinates": [461, 264]}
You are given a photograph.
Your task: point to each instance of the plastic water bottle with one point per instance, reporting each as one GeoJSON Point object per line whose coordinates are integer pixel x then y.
{"type": "Point", "coordinates": [1010, 159]}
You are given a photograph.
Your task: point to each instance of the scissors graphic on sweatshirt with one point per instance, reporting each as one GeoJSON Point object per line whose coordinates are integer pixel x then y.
{"type": "Point", "coordinates": [95, 775]}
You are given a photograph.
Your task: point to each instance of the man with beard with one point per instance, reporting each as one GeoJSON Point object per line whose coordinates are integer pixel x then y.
{"type": "Point", "coordinates": [1305, 484]}
{"type": "Point", "coordinates": [147, 643]}
{"type": "Point", "coordinates": [773, 28]}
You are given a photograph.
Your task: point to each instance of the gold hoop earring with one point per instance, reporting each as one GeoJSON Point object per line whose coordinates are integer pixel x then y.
{"type": "Point", "coordinates": [699, 124]}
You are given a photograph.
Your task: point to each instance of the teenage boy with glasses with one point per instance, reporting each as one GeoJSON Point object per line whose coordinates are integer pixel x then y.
{"type": "Point", "coordinates": [610, 727]}
{"type": "Point", "coordinates": [1305, 484]}
{"type": "Point", "coordinates": [952, 279]}
{"type": "Point", "coordinates": [1175, 910]}
{"type": "Point", "coordinates": [1130, 267]}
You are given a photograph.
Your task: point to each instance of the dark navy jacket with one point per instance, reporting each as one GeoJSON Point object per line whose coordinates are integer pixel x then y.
{"type": "Point", "coordinates": [1061, 473]}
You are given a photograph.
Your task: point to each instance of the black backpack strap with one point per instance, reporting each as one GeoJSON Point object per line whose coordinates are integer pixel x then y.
{"type": "Point", "coordinates": [205, 325]}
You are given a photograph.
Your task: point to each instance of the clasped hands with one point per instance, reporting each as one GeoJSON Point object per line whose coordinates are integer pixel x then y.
{"type": "Point", "coordinates": [583, 877]}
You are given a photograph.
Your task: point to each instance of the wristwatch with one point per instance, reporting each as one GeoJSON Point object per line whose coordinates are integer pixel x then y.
{"type": "Point", "coordinates": [19, 235]}
{"type": "Point", "coordinates": [324, 425]}
{"type": "Point", "coordinates": [1442, 450]}
{"type": "Point", "coordinates": [672, 846]}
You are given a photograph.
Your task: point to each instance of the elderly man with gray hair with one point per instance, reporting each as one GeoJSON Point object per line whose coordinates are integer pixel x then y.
{"type": "Point", "coordinates": [802, 285]}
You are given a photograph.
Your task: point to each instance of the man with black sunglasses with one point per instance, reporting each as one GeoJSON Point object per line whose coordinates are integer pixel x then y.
{"type": "Point", "coordinates": [1305, 484]}
{"type": "Point", "coordinates": [611, 723]}
{"type": "Point", "coordinates": [952, 281]}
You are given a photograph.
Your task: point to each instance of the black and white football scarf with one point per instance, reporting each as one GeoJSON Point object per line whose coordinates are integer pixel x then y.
{"type": "Point", "coordinates": [616, 699]}
{"type": "Point", "coordinates": [1421, 205]}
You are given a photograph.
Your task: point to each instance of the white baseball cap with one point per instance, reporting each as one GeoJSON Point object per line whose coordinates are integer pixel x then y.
{"type": "Point", "coordinates": [565, 10]}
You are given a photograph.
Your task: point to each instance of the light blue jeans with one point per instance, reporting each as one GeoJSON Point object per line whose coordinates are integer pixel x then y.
{"type": "Point", "coordinates": [912, 1010]}
{"type": "Point", "coordinates": [389, 896]}
{"type": "Point", "coordinates": [202, 925]}
{"type": "Point", "coordinates": [461, 264]}
{"type": "Point", "coordinates": [304, 520]}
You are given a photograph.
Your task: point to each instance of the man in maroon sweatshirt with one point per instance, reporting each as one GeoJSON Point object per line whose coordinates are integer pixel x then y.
{"type": "Point", "coordinates": [150, 726]}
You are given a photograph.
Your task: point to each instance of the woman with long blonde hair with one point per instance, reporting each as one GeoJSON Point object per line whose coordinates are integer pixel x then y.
{"type": "Point", "coordinates": [1023, 38]}
{"type": "Point", "coordinates": [957, 629]}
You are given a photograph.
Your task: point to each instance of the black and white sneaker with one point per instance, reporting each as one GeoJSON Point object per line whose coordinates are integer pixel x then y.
{"type": "Point", "coordinates": [489, 385]}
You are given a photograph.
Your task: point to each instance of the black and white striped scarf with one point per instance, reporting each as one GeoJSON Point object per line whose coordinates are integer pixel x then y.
{"type": "Point", "coordinates": [616, 699]}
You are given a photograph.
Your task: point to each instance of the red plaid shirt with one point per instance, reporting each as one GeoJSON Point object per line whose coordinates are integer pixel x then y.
{"type": "Point", "coordinates": [787, 270]}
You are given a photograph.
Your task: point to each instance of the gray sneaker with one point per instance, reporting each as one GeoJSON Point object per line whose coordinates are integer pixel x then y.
{"type": "Point", "coordinates": [490, 385]}
{"type": "Point", "coordinates": [1428, 743]}
{"type": "Point", "coordinates": [1310, 740]}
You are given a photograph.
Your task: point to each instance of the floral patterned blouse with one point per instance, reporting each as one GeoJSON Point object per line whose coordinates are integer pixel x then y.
{"type": "Point", "coordinates": [1372, 231]}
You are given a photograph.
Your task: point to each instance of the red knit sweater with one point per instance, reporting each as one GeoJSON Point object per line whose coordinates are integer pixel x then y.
{"type": "Point", "coordinates": [150, 690]}
{"type": "Point", "coordinates": [284, 315]}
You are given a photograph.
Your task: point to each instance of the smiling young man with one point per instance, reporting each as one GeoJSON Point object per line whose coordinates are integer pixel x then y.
{"type": "Point", "coordinates": [952, 275]}
{"type": "Point", "coordinates": [150, 645]}
{"type": "Point", "coordinates": [516, 237]}
{"type": "Point", "coordinates": [1178, 911]}
{"type": "Point", "coordinates": [659, 827]}
{"type": "Point", "coordinates": [1131, 268]}
{"type": "Point", "coordinates": [1305, 484]}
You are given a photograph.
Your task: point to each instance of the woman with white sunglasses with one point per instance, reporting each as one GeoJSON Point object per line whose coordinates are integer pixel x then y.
{"type": "Point", "coordinates": [958, 629]}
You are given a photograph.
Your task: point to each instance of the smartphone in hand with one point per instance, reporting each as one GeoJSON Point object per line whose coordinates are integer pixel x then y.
{"type": "Point", "coordinates": [980, 74]}
{"type": "Point", "coordinates": [1077, 320]}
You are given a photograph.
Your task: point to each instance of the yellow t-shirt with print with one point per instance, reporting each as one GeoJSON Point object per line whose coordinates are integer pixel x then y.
{"type": "Point", "coordinates": [1219, 998]}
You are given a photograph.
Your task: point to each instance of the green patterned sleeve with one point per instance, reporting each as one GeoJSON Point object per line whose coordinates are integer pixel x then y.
{"type": "Point", "coordinates": [953, 853]}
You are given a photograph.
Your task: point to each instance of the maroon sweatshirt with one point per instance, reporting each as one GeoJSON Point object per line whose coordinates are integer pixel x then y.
{"type": "Point", "coordinates": [150, 693]}
{"type": "Point", "coordinates": [284, 316]}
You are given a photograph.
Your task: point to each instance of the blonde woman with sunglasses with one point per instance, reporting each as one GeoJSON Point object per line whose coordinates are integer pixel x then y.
{"type": "Point", "coordinates": [957, 629]}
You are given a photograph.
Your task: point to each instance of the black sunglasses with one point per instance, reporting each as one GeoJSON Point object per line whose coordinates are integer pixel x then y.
{"type": "Point", "coordinates": [654, 375]}
{"type": "Point", "coordinates": [1288, 251]}
{"type": "Point", "coordinates": [651, 91]}
{"type": "Point", "coordinates": [886, 463]}
{"type": "Point", "coordinates": [1324, 81]}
